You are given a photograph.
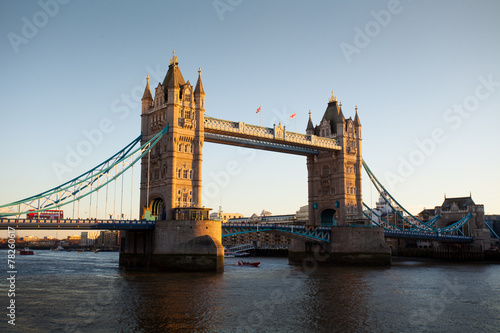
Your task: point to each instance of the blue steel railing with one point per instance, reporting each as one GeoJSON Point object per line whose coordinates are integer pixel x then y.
{"type": "Point", "coordinates": [76, 224]}
{"type": "Point", "coordinates": [427, 236]}
{"type": "Point", "coordinates": [322, 234]}
{"type": "Point", "coordinates": [299, 231]}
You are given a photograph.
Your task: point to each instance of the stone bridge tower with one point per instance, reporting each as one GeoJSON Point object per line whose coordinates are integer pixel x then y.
{"type": "Point", "coordinates": [334, 179]}
{"type": "Point", "coordinates": [184, 239]}
{"type": "Point", "coordinates": [335, 198]}
{"type": "Point", "coordinates": [171, 174]}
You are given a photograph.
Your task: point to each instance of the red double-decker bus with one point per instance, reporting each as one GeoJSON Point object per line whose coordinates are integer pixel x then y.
{"type": "Point", "coordinates": [48, 214]}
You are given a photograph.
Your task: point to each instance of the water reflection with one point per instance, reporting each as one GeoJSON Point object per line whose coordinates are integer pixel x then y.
{"type": "Point", "coordinates": [88, 292]}
{"type": "Point", "coordinates": [245, 299]}
{"type": "Point", "coordinates": [173, 302]}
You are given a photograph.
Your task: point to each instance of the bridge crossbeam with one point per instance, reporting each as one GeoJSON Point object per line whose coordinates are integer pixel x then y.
{"type": "Point", "coordinates": [427, 236]}
{"type": "Point", "coordinates": [276, 138]}
{"type": "Point", "coordinates": [259, 144]}
{"type": "Point", "coordinates": [314, 233]}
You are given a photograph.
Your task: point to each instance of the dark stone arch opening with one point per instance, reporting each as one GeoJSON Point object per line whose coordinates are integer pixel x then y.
{"type": "Point", "coordinates": [158, 209]}
{"type": "Point", "coordinates": [328, 218]}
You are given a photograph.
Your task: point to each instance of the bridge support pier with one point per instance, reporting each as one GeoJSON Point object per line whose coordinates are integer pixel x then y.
{"type": "Point", "coordinates": [175, 246]}
{"type": "Point", "coordinates": [363, 246]}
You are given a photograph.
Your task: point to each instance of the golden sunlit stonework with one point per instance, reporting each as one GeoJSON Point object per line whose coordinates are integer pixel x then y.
{"type": "Point", "coordinates": [171, 179]}
{"type": "Point", "coordinates": [332, 98]}
{"type": "Point", "coordinates": [335, 196]}
{"type": "Point", "coordinates": [184, 238]}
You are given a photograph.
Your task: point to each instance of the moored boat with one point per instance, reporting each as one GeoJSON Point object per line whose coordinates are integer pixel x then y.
{"type": "Point", "coordinates": [228, 254]}
{"type": "Point", "coordinates": [26, 251]}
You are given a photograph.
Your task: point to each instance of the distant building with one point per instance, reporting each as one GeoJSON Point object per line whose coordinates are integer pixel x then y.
{"type": "Point", "coordinates": [75, 239]}
{"type": "Point", "coordinates": [258, 239]}
{"type": "Point", "coordinates": [108, 239]}
{"type": "Point", "coordinates": [83, 238]}
{"type": "Point", "coordinates": [427, 214]}
{"type": "Point", "coordinates": [224, 217]}
{"type": "Point", "coordinates": [383, 210]}
{"type": "Point", "coordinates": [264, 238]}
{"type": "Point", "coordinates": [88, 238]}
{"type": "Point", "coordinates": [302, 215]}
{"type": "Point", "coordinates": [280, 219]}
{"type": "Point", "coordinates": [382, 207]}
{"type": "Point", "coordinates": [455, 209]}
{"type": "Point", "coordinates": [45, 243]}
{"type": "Point", "coordinates": [30, 239]}
{"type": "Point", "coordinates": [265, 213]}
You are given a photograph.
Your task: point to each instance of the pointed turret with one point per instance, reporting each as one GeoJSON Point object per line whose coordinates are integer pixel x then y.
{"type": "Point", "coordinates": [147, 98]}
{"type": "Point", "coordinates": [340, 122]}
{"type": "Point", "coordinates": [199, 85]}
{"type": "Point", "coordinates": [356, 118]}
{"type": "Point", "coordinates": [147, 92]}
{"type": "Point", "coordinates": [310, 126]}
{"type": "Point", "coordinates": [199, 92]}
{"type": "Point", "coordinates": [173, 80]}
{"type": "Point", "coordinates": [341, 118]}
{"type": "Point", "coordinates": [332, 114]}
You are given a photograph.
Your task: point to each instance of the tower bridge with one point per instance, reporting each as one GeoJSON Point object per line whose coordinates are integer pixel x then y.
{"type": "Point", "coordinates": [171, 175]}
{"type": "Point", "coordinates": [175, 232]}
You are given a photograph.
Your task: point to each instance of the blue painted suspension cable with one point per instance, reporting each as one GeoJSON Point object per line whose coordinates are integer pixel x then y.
{"type": "Point", "coordinates": [124, 154]}
{"type": "Point", "coordinates": [380, 188]}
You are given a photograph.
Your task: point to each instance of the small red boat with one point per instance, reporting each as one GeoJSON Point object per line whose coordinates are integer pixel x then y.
{"type": "Point", "coordinates": [247, 263]}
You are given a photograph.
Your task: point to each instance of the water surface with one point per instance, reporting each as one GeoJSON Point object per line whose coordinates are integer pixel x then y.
{"type": "Point", "coordinates": [88, 292]}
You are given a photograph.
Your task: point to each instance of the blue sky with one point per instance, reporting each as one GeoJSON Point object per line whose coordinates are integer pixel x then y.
{"type": "Point", "coordinates": [425, 76]}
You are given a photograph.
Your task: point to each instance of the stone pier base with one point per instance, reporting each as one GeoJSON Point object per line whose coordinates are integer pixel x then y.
{"type": "Point", "coordinates": [174, 246]}
{"type": "Point", "coordinates": [363, 246]}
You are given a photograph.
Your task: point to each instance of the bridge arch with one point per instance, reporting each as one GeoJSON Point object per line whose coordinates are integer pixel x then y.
{"type": "Point", "coordinates": [158, 208]}
{"type": "Point", "coordinates": [328, 217]}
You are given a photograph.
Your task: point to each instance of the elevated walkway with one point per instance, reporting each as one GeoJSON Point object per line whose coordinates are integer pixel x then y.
{"type": "Point", "coordinates": [259, 137]}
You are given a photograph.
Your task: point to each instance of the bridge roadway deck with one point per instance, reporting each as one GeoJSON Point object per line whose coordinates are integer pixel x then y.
{"type": "Point", "coordinates": [228, 229]}
{"type": "Point", "coordinates": [82, 224]}
{"type": "Point", "coordinates": [274, 139]}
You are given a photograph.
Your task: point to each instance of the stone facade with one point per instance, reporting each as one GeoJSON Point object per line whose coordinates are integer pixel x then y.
{"type": "Point", "coordinates": [184, 238]}
{"type": "Point", "coordinates": [362, 246]}
{"type": "Point", "coordinates": [455, 209]}
{"type": "Point", "coordinates": [334, 178]}
{"type": "Point", "coordinates": [171, 173]}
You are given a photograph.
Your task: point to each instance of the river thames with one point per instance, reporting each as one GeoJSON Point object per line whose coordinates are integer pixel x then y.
{"type": "Point", "coordinates": [88, 292]}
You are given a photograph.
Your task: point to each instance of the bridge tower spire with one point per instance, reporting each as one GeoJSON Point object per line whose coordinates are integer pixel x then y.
{"type": "Point", "coordinates": [310, 126]}
{"type": "Point", "coordinates": [147, 98]}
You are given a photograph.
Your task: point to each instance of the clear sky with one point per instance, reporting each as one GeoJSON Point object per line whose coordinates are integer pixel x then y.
{"type": "Point", "coordinates": [425, 76]}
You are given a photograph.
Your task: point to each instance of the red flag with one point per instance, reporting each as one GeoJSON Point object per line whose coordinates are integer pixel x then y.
{"type": "Point", "coordinates": [293, 115]}
{"type": "Point", "coordinates": [258, 110]}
